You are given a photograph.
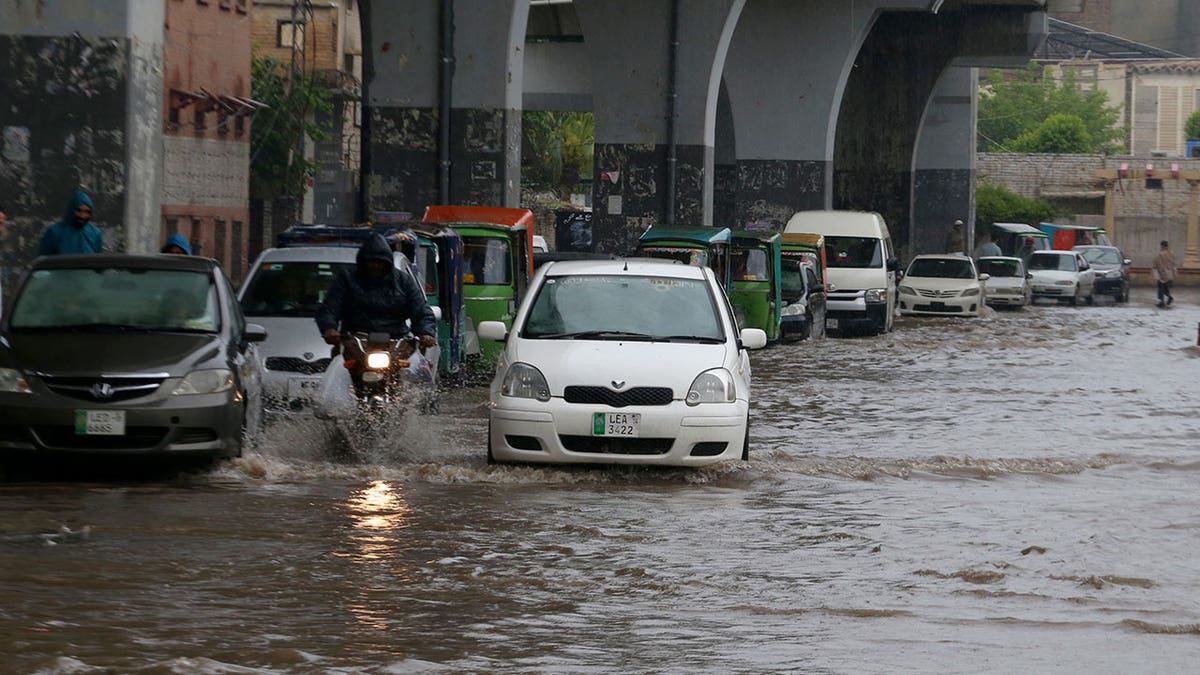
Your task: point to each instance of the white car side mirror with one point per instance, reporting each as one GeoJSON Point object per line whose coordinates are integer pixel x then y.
{"type": "Point", "coordinates": [492, 330]}
{"type": "Point", "coordinates": [985, 276]}
{"type": "Point", "coordinates": [754, 338]}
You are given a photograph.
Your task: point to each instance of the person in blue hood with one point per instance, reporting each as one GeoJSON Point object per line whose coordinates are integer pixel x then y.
{"type": "Point", "coordinates": [177, 244]}
{"type": "Point", "coordinates": [376, 297]}
{"type": "Point", "coordinates": [75, 232]}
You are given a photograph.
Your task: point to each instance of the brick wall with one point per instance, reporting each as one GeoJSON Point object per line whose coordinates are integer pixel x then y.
{"type": "Point", "coordinates": [1094, 14]}
{"type": "Point", "coordinates": [321, 36]}
{"type": "Point", "coordinates": [206, 153]}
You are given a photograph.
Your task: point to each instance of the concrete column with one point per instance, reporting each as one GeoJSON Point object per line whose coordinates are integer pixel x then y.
{"type": "Point", "coordinates": [943, 187]}
{"type": "Point", "coordinates": [628, 44]}
{"type": "Point", "coordinates": [403, 96]}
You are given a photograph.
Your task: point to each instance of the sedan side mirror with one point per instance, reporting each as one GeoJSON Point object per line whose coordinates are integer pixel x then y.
{"type": "Point", "coordinates": [1029, 275]}
{"type": "Point", "coordinates": [495, 331]}
{"type": "Point", "coordinates": [985, 276]}
{"type": "Point", "coordinates": [1127, 261]}
{"type": "Point", "coordinates": [754, 338]}
{"type": "Point", "coordinates": [254, 333]}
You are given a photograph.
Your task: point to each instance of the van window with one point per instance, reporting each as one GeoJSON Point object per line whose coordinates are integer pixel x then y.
{"type": "Point", "coordinates": [853, 252]}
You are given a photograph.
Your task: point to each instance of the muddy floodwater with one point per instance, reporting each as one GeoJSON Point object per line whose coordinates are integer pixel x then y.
{"type": "Point", "coordinates": [1016, 493]}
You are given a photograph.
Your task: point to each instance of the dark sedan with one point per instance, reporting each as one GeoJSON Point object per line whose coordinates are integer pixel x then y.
{"type": "Point", "coordinates": [1112, 270]}
{"type": "Point", "coordinates": [122, 354]}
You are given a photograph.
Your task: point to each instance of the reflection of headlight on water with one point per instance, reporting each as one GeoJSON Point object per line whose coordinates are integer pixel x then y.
{"type": "Point", "coordinates": [379, 507]}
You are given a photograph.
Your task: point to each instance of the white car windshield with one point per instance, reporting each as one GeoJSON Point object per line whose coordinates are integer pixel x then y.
{"type": "Point", "coordinates": [1000, 268]}
{"type": "Point", "coordinates": [942, 268]}
{"type": "Point", "coordinates": [118, 298]}
{"type": "Point", "coordinates": [1051, 261]}
{"type": "Point", "coordinates": [616, 307]}
{"type": "Point", "coordinates": [289, 288]}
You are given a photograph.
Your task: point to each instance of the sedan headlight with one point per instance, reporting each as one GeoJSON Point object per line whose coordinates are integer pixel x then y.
{"type": "Point", "coordinates": [1113, 274]}
{"type": "Point", "coordinates": [875, 295]}
{"type": "Point", "coordinates": [1065, 282]}
{"type": "Point", "coordinates": [794, 309]}
{"type": "Point", "coordinates": [522, 380]}
{"type": "Point", "coordinates": [212, 381]}
{"type": "Point", "coordinates": [907, 290]}
{"type": "Point", "coordinates": [378, 360]}
{"type": "Point", "coordinates": [13, 382]}
{"type": "Point", "coordinates": [970, 291]}
{"type": "Point", "coordinates": [712, 386]}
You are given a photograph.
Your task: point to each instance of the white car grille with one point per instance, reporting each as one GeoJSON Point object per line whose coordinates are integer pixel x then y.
{"type": "Point", "coordinates": [928, 293]}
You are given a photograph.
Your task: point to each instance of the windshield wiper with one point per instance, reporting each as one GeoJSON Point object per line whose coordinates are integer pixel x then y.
{"type": "Point", "coordinates": [596, 335]}
{"type": "Point", "coordinates": [704, 339]}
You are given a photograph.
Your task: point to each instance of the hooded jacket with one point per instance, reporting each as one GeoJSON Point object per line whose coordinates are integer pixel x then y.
{"type": "Point", "coordinates": [360, 303]}
{"type": "Point", "coordinates": [177, 240]}
{"type": "Point", "coordinates": [68, 237]}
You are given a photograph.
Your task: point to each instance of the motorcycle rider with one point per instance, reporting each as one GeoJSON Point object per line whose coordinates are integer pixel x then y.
{"type": "Point", "coordinates": [376, 297]}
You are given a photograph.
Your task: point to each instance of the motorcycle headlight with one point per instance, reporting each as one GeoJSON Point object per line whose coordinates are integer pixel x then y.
{"type": "Point", "coordinates": [522, 380]}
{"type": "Point", "coordinates": [907, 290]}
{"type": "Point", "coordinates": [13, 382]}
{"type": "Point", "coordinates": [378, 360]}
{"type": "Point", "coordinates": [795, 309]}
{"type": "Point", "coordinates": [875, 295]}
{"type": "Point", "coordinates": [970, 292]}
{"type": "Point", "coordinates": [212, 381]}
{"type": "Point", "coordinates": [712, 386]}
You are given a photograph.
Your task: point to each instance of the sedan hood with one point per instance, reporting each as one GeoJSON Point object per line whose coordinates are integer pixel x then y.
{"type": "Point", "coordinates": [1051, 276]}
{"type": "Point", "coordinates": [291, 337]}
{"type": "Point", "coordinates": [635, 364]}
{"type": "Point", "coordinates": [84, 354]}
{"type": "Point", "coordinates": [1005, 282]}
{"type": "Point", "coordinates": [939, 283]}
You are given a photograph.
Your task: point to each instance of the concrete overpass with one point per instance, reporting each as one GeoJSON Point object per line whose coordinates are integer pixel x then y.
{"type": "Point", "coordinates": [713, 112]}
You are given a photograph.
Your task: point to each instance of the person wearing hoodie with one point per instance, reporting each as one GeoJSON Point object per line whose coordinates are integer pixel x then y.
{"type": "Point", "coordinates": [376, 297]}
{"type": "Point", "coordinates": [74, 233]}
{"type": "Point", "coordinates": [176, 244]}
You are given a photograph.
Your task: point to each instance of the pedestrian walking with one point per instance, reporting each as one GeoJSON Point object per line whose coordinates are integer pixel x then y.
{"type": "Point", "coordinates": [74, 233]}
{"type": "Point", "coordinates": [1164, 271]}
{"type": "Point", "coordinates": [955, 241]}
{"type": "Point", "coordinates": [988, 248]}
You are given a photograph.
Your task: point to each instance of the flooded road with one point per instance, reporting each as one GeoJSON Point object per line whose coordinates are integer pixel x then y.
{"type": "Point", "coordinates": [1014, 493]}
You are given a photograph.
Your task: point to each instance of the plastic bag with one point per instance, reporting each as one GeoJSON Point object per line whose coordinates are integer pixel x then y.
{"type": "Point", "coordinates": [335, 394]}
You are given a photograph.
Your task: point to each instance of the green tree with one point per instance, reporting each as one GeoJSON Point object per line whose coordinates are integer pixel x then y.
{"type": "Point", "coordinates": [1192, 126]}
{"type": "Point", "coordinates": [278, 167]}
{"type": "Point", "coordinates": [556, 147]}
{"type": "Point", "coordinates": [997, 204]}
{"type": "Point", "coordinates": [1059, 134]}
{"type": "Point", "coordinates": [1011, 106]}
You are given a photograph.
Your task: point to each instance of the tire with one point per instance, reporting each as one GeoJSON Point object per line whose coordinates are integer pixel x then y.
{"type": "Point", "coordinates": [746, 441]}
{"type": "Point", "coordinates": [491, 459]}
{"type": "Point", "coordinates": [1123, 293]}
{"type": "Point", "coordinates": [1090, 299]}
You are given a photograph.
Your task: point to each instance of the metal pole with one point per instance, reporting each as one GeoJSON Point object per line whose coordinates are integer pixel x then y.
{"type": "Point", "coordinates": [672, 115]}
{"type": "Point", "coordinates": [447, 85]}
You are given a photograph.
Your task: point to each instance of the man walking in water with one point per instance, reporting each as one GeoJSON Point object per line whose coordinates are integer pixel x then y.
{"type": "Point", "coordinates": [1164, 270]}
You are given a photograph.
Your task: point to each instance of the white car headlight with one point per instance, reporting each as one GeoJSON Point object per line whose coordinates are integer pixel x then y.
{"type": "Point", "coordinates": [970, 291]}
{"type": "Point", "coordinates": [1065, 282]}
{"type": "Point", "coordinates": [212, 381]}
{"type": "Point", "coordinates": [794, 309]}
{"type": "Point", "coordinates": [875, 295]}
{"type": "Point", "coordinates": [13, 382]}
{"type": "Point", "coordinates": [378, 360]}
{"type": "Point", "coordinates": [522, 380]}
{"type": "Point", "coordinates": [907, 290]}
{"type": "Point", "coordinates": [712, 386]}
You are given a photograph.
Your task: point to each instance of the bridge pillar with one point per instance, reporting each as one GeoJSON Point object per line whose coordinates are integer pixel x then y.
{"type": "Point", "coordinates": [628, 44]}
{"type": "Point", "coordinates": [943, 186]}
{"type": "Point", "coordinates": [402, 93]}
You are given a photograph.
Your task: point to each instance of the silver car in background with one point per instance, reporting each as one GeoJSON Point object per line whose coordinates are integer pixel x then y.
{"type": "Point", "coordinates": [1008, 283]}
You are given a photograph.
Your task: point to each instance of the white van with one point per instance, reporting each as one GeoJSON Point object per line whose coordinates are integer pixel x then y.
{"type": "Point", "coordinates": [860, 268]}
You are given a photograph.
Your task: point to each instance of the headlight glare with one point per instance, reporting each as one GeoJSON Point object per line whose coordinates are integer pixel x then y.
{"type": "Point", "coordinates": [13, 382]}
{"type": "Point", "coordinates": [378, 360]}
{"type": "Point", "coordinates": [712, 386]}
{"type": "Point", "coordinates": [212, 381]}
{"type": "Point", "coordinates": [522, 380]}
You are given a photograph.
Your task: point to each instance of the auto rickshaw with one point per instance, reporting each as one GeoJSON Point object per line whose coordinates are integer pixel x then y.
{"type": "Point", "coordinates": [1018, 240]}
{"type": "Point", "coordinates": [439, 258]}
{"type": "Point", "coordinates": [1067, 237]}
{"type": "Point", "coordinates": [497, 262]}
{"type": "Point", "coordinates": [802, 283]}
{"type": "Point", "coordinates": [690, 245]}
{"type": "Point", "coordinates": [754, 289]}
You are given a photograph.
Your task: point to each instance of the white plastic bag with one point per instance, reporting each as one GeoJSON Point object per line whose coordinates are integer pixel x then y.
{"type": "Point", "coordinates": [335, 395]}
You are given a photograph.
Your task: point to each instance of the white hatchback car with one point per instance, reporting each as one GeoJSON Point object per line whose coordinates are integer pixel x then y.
{"type": "Point", "coordinates": [622, 362]}
{"type": "Point", "coordinates": [1062, 275]}
{"type": "Point", "coordinates": [1008, 281]}
{"type": "Point", "coordinates": [942, 284]}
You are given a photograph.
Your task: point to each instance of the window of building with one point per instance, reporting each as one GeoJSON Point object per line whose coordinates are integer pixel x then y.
{"type": "Point", "coordinates": [239, 125]}
{"type": "Point", "coordinates": [219, 242]}
{"type": "Point", "coordinates": [235, 263]}
{"type": "Point", "coordinates": [222, 123]}
{"type": "Point", "coordinates": [242, 6]}
{"type": "Point", "coordinates": [198, 122]}
{"type": "Point", "coordinates": [289, 34]}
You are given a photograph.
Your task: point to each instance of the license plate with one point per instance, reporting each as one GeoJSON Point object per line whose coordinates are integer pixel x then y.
{"type": "Point", "coordinates": [100, 422]}
{"type": "Point", "coordinates": [937, 305]}
{"type": "Point", "coordinates": [303, 387]}
{"type": "Point", "coordinates": [831, 323]}
{"type": "Point", "coordinates": [616, 424]}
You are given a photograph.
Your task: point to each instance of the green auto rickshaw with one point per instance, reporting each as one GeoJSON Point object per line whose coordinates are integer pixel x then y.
{"type": "Point", "coordinates": [754, 289]}
{"type": "Point", "coordinates": [702, 246]}
{"type": "Point", "coordinates": [497, 263]}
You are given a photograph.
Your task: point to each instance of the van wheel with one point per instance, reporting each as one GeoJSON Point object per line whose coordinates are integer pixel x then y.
{"type": "Point", "coordinates": [746, 441]}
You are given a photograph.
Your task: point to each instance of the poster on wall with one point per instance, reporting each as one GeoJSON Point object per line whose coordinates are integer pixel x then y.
{"type": "Point", "coordinates": [573, 231]}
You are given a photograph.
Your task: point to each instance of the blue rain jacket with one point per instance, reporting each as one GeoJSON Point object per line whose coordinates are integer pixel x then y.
{"type": "Point", "coordinates": [68, 237]}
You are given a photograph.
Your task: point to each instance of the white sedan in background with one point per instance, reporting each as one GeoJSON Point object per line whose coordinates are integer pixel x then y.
{"type": "Point", "coordinates": [942, 284]}
{"type": "Point", "coordinates": [622, 362]}
{"type": "Point", "coordinates": [1062, 275]}
{"type": "Point", "coordinates": [1008, 281]}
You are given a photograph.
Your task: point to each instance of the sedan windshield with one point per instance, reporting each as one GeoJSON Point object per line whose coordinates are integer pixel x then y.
{"type": "Point", "coordinates": [1102, 256]}
{"type": "Point", "coordinates": [853, 252]}
{"type": "Point", "coordinates": [115, 298]}
{"type": "Point", "coordinates": [624, 307]}
{"type": "Point", "coordinates": [289, 288]}
{"type": "Point", "coordinates": [1061, 263]}
{"type": "Point", "coordinates": [942, 268]}
{"type": "Point", "coordinates": [1000, 268]}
